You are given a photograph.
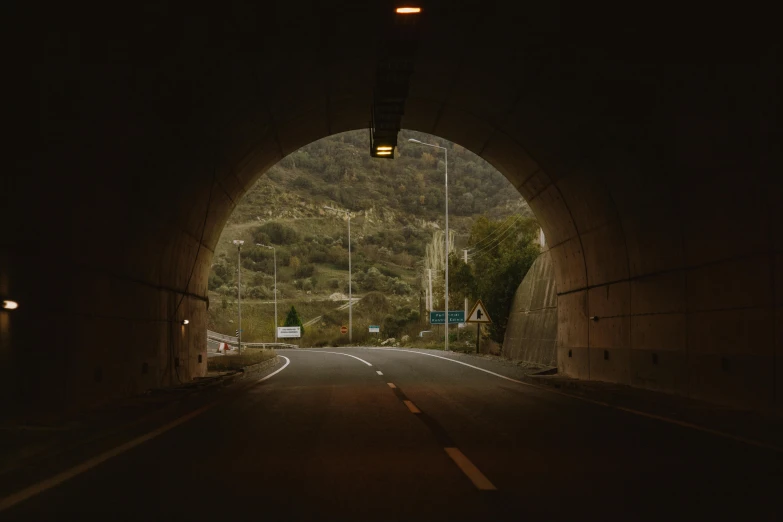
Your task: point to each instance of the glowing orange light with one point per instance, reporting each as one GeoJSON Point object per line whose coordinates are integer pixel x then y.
{"type": "Point", "coordinates": [383, 147]}
{"type": "Point", "coordinates": [383, 153]}
{"type": "Point", "coordinates": [408, 10]}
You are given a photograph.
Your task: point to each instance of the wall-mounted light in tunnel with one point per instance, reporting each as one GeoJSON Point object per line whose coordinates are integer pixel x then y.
{"type": "Point", "coordinates": [10, 305]}
{"type": "Point", "coordinates": [185, 321]}
{"type": "Point", "coordinates": [408, 10]}
{"type": "Point", "coordinates": [383, 148]}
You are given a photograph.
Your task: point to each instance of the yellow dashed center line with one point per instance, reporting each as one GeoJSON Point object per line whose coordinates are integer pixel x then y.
{"type": "Point", "coordinates": [469, 469]}
{"type": "Point", "coordinates": [391, 385]}
{"type": "Point", "coordinates": [412, 407]}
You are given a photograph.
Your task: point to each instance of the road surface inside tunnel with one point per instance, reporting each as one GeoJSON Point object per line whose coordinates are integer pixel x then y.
{"type": "Point", "coordinates": [371, 434]}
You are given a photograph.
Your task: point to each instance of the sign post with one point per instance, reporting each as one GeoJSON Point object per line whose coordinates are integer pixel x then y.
{"type": "Point", "coordinates": [478, 314]}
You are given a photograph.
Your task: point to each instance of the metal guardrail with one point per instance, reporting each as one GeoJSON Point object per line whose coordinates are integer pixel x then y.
{"type": "Point", "coordinates": [268, 345]}
{"type": "Point", "coordinates": [213, 338]}
{"type": "Point", "coordinates": [221, 337]}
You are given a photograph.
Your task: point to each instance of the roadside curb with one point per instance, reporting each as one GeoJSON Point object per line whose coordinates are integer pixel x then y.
{"type": "Point", "coordinates": [253, 369]}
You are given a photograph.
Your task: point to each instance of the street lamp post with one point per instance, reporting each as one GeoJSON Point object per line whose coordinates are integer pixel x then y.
{"type": "Point", "coordinates": [274, 253]}
{"type": "Point", "coordinates": [446, 164]}
{"type": "Point", "coordinates": [350, 276]}
{"type": "Point", "coordinates": [239, 243]}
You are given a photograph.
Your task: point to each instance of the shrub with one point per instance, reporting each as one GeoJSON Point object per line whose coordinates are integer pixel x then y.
{"type": "Point", "coordinates": [303, 271]}
{"type": "Point", "coordinates": [276, 233]}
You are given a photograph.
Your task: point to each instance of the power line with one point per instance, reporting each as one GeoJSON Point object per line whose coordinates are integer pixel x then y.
{"type": "Point", "coordinates": [508, 233]}
{"type": "Point", "coordinates": [510, 222]}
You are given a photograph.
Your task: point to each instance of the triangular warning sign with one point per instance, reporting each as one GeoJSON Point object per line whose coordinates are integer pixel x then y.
{"type": "Point", "coordinates": [478, 314]}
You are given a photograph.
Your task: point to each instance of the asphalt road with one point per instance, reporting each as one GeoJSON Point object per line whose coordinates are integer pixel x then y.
{"type": "Point", "coordinates": [327, 438]}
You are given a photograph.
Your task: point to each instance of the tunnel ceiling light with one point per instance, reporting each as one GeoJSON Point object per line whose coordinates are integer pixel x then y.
{"type": "Point", "coordinates": [10, 305]}
{"type": "Point", "coordinates": [408, 10]}
{"type": "Point", "coordinates": [185, 321]}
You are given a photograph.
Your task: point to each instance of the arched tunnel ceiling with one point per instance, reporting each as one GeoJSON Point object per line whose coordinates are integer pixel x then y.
{"type": "Point", "coordinates": [648, 162]}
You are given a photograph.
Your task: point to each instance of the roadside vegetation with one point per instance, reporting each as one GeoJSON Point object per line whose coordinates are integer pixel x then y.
{"type": "Point", "coordinates": [249, 356]}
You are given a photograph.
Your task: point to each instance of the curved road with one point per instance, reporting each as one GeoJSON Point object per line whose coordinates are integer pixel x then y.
{"type": "Point", "coordinates": [371, 434]}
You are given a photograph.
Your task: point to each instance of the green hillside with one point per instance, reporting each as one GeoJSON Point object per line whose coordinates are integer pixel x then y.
{"type": "Point", "coordinates": [397, 210]}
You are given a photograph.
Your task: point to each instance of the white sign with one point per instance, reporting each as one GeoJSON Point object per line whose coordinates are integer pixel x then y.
{"type": "Point", "coordinates": [478, 314]}
{"type": "Point", "coordinates": [375, 329]}
{"type": "Point", "coordinates": [289, 332]}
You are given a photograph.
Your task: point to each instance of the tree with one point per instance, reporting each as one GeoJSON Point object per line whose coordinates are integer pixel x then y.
{"type": "Point", "coordinates": [502, 255]}
{"type": "Point", "coordinates": [292, 319]}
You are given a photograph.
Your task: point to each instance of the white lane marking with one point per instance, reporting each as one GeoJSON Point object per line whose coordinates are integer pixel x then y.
{"type": "Point", "coordinates": [411, 406]}
{"type": "Point", "coordinates": [391, 385]}
{"type": "Point", "coordinates": [668, 420]}
{"type": "Point", "coordinates": [379, 372]}
{"type": "Point", "coordinates": [468, 468]}
{"type": "Point", "coordinates": [458, 362]}
{"type": "Point", "coordinates": [52, 482]}
{"type": "Point", "coordinates": [287, 362]}
{"type": "Point", "coordinates": [347, 355]}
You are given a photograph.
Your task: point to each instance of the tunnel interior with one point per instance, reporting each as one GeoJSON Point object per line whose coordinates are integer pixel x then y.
{"type": "Point", "coordinates": [648, 163]}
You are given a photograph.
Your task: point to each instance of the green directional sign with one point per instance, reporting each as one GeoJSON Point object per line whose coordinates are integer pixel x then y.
{"type": "Point", "coordinates": [455, 317]}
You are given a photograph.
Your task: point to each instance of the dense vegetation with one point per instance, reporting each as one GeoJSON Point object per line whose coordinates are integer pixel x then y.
{"type": "Point", "coordinates": [397, 215]}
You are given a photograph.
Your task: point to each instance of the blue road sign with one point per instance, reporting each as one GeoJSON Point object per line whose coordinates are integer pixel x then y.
{"type": "Point", "coordinates": [455, 316]}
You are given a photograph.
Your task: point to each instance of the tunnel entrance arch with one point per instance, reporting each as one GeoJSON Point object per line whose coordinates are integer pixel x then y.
{"type": "Point", "coordinates": [629, 155]}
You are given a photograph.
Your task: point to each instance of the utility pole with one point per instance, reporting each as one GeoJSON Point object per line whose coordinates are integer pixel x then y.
{"type": "Point", "coordinates": [274, 254]}
{"type": "Point", "coordinates": [431, 304]}
{"type": "Point", "coordinates": [350, 276]}
{"type": "Point", "coordinates": [239, 244]}
{"type": "Point", "coordinates": [465, 255]}
{"type": "Point", "coordinates": [446, 184]}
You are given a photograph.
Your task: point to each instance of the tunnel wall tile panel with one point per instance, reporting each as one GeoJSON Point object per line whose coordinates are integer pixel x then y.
{"type": "Point", "coordinates": [605, 254]}
{"type": "Point", "coordinates": [569, 266]}
{"type": "Point", "coordinates": [659, 332]}
{"type": "Point", "coordinates": [610, 364]}
{"type": "Point", "coordinates": [611, 333]}
{"type": "Point", "coordinates": [778, 277]}
{"type": "Point", "coordinates": [610, 300]}
{"type": "Point", "coordinates": [730, 284]}
{"type": "Point", "coordinates": [666, 372]}
{"type": "Point", "coordinates": [467, 130]}
{"type": "Point", "coordinates": [533, 185]}
{"type": "Point", "coordinates": [708, 225]}
{"type": "Point", "coordinates": [779, 356]}
{"type": "Point", "coordinates": [512, 160]}
{"type": "Point", "coordinates": [573, 362]}
{"type": "Point", "coordinates": [653, 246]}
{"type": "Point", "coordinates": [659, 293]}
{"type": "Point", "coordinates": [748, 331]}
{"type": "Point", "coordinates": [590, 203]}
{"type": "Point", "coordinates": [553, 214]}
{"type": "Point", "coordinates": [572, 330]}
{"type": "Point", "coordinates": [734, 379]}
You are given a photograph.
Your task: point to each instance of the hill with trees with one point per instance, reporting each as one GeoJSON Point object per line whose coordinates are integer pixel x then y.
{"type": "Point", "coordinates": [397, 211]}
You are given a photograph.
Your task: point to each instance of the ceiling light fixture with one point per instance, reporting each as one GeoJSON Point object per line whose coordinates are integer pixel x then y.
{"type": "Point", "coordinates": [408, 10]}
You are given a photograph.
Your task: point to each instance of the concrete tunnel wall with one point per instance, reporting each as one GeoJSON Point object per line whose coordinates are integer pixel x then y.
{"type": "Point", "coordinates": [531, 335]}
{"type": "Point", "coordinates": [648, 163]}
